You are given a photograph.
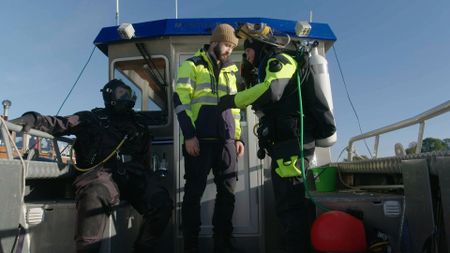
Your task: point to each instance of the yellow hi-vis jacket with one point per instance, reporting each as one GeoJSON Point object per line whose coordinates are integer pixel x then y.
{"type": "Point", "coordinates": [200, 84]}
{"type": "Point", "coordinates": [271, 89]}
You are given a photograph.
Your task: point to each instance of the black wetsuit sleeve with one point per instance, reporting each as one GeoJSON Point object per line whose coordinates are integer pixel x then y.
{"type": "Point", "coordinates": [61, 125]}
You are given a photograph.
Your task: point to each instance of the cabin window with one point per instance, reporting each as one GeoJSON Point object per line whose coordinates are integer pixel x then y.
{"type": "Point", "coordinates": [149, 85]}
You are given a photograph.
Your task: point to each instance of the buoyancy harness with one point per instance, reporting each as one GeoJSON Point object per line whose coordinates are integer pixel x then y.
{"type": "Point", "coordinates": [279, 121]}
{"type": "Point", "coordinates": [107, 144]}
{"type": "Point", "coordinates": [103, 121]}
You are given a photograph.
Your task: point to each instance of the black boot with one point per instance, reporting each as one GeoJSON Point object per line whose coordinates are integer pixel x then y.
{"type": "Point", "coordinates": [190, 243]}
{"type": "Point", "coordinates": [148, 237]}
{"type": "Point", "coordinates": [147, 246]}
{"type": "Point", "coordinates": [191, 250]}
{"type": "Point", "coordinates": [223, 244]}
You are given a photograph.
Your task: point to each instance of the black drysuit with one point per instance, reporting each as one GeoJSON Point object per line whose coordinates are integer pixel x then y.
{"type": "Point", "coordinates": [126, 175]}
{"type": "Point", "coordinates": [276, 100]}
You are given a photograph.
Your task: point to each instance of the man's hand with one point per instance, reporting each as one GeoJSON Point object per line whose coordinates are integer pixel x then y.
{"type": "Point", "coordinates": [192, 146]}
{"type": "Point", "coordinates": [239, 148]}
{"type": "Point", "coordinates": [226, 102]}
{"type": "Point", "coordinates": [27, 121]}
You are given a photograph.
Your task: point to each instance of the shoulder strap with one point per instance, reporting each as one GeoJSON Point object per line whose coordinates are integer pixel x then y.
{"type": "Point", "coordinates": [282, 58]}
{"type": "Point", "coordinates": [197, 60]}
{"type": "Point", "coordinates": [101, 116]}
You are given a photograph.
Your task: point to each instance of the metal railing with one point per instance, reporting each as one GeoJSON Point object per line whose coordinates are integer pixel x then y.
{"type": "Point", "coordinates": [16, 128]}
{"type": "Point", "coordinates": [418, 119]}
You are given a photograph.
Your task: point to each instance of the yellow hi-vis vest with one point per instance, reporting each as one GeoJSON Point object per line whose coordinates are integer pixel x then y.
{"type": "Point", "coordinates": [197, 93]}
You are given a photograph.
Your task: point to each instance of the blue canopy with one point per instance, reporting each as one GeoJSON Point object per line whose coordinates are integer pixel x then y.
{"type": "Point", "coordinates": [203, 26]}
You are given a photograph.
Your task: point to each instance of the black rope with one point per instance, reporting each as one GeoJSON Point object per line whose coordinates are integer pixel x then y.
{"type": "Point", "coordinates": [76, 81]}
{"type": "Point", "coordinates": [350, 100]}
{"type": "Point", "coordinates": [18, 240]}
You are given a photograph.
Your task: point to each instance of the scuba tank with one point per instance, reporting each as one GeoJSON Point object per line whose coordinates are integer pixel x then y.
{"type": "Point", "coordinates": [322, 87]}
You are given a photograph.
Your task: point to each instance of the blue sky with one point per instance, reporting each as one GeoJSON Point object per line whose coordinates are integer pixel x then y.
{"type": "Point", "coordinates": [395, 55]}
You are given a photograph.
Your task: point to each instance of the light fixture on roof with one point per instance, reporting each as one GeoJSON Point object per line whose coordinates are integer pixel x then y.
{"type": "Point", "coordinates": [126, 31]}
{"type": "Point", "coordinates": [302, 28]}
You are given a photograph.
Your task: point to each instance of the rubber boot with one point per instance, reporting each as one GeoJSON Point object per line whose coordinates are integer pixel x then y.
{"type": "Point", "coordinates": [223, 244]}
{"type": "Point", "coordinates": [190, 243]}
{"type": "Point", "coordinates": [147, 240]}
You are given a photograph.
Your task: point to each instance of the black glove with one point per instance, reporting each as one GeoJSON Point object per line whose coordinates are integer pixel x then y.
{"type": "Point", "coordinates": [226, 102]}
{"type": "Point", "coordinates": [27, 120]}
{"type": "Point", "coordinates": [249, 73]}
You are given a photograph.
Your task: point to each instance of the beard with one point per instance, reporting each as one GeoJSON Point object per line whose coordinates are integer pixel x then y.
{"type": "Point", "coordinates": [222, 57]}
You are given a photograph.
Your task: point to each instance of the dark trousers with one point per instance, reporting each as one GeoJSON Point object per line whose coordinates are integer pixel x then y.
{"type": "Point", "coordinates": [97, 192]}
{"type": "Point", "coordinates": [291, 209]}
{"type": "Point", "coordinates": [221, 158]}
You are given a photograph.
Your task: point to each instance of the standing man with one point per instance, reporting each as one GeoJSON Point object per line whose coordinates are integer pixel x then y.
{"type": "Point", "coordinates": [113, 162]}
{"type": "Point", "coordinates": [211, 137]}
{"type": "Point", "coordinates": [275, 99]}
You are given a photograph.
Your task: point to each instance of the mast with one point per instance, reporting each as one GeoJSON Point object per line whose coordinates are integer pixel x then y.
{"type": "Point", "coordinates": [176, 9]}
{"type": "Point", "coordinates": [117, 12]}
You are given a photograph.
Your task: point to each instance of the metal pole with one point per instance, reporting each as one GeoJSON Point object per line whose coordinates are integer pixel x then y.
{"type": "Point", "coordinates": [375, 146]}
{"type": "Point", "coordinates": [117, 12]}
{"type": "Point", "coordinates": [176, 9]}
{"type": "Point", "coordinates": [350, 151]}
{"type": "Point", "coordinates": [6, 140]}
{"type": "Point", "coordinates": [420, 137]}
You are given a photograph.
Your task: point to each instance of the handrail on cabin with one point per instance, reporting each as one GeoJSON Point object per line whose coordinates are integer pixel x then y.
{"type": "Point", "coordinates": [418, 119]}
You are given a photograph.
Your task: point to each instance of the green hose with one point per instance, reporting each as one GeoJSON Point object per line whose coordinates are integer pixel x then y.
{"type": "Point", "coordinates": [302, 156]}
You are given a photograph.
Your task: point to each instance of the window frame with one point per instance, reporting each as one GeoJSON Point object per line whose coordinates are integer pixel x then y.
{"type": "Point", "coordinates": [145, 92]}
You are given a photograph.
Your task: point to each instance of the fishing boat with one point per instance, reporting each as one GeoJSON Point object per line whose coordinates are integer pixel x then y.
{"type": "Point", "coordinates": [405, 198]}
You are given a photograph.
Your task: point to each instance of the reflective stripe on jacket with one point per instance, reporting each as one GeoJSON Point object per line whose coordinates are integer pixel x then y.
{"type": "Point", "coordinates": [196, 96]}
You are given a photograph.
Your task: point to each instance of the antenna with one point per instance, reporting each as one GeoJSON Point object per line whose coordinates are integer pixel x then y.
{"type": "Point", "coordinates": [310, 16]}
{"type": "Point", "coordinates": [176, 9]}
{"type": "Point", "coordinates": [117, 12]}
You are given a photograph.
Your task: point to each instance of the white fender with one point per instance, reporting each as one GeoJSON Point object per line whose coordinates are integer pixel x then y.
{"type": "Point", "coordinates": [322, 87]}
